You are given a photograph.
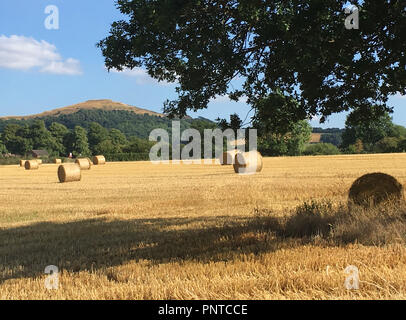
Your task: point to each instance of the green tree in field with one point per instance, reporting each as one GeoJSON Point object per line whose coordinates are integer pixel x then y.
{"type": "Point", "coordinates": [402, 145]}
{"type": "Point", "coordinates": [97, 134]}
{"type": "Point", "coordinates": [16, 138]}
{"type": "Point", "coordinates": [387, 145]}
{"type": "Point", "coordinates": [295, 58]}
{"type": "Point", "coordinates": [3, 148]}
{"type": "Point", "coordinates": [369, 128]}
{"type": "Point", "coordinates": [292, 143]}
{"type": "Point", "coordinates": [234, 124]}
{"type": "Point", "coordinates": [112, 144]}
{"type": "Point", "coordinates": [107, 147]}
{"type": "Point", "coordinates": [42, 138]}
{"type": "Point", "coordinates": [137, 145]}
{"type": "Point", "coordinates": [117, 137]}
{"type": "Point", "coordinates": [61, 134]}
{"type": "Point", "coordinates": [80, 144]}
{"type": "Point", "coordinates": [321, 149]}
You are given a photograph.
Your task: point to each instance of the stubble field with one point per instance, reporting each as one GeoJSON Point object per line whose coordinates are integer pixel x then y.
{"type": "Point", "coordinates": [138, 230]}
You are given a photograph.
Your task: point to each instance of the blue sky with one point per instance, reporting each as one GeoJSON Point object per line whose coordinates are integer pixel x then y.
{"type": "Point", "coordinates": [42, 69]}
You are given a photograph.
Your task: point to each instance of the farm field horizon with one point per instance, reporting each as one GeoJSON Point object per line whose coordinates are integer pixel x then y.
{"type": "Point", "coordinates": [137, 230]}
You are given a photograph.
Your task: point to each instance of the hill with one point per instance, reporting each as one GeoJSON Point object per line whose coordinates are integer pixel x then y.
{"type": "Point", "coordinates": [103, 104]}
{"type": "Point", "coordinates": [132, 121]}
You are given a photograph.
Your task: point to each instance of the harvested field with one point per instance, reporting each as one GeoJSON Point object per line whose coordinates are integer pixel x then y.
{"type": "Point", "coordinates": [137, 230]}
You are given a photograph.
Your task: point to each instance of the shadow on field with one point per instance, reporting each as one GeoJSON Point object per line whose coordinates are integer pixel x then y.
{"type": "Point", "coordinates": [100, 243]}
{"type": "Point", "coordinates": [97, 243]}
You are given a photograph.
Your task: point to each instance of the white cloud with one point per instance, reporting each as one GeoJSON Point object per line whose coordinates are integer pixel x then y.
{"type": "Point", "coordinates": [141, 76]}
{"type": "Point", "coordinates": [23, 53]}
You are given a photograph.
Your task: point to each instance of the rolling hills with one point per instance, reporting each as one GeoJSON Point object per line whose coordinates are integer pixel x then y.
{"type": "Point", "coordinates": [132, 121]}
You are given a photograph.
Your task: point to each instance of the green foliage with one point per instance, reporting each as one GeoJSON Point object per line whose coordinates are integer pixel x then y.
{"type": "Point", "coordinates": [368, 128]}
{"type": "Point", "coordinates": [97, 134]}
{"type": "Point", "coordinates": [295, 57]}
{"type": "Point", "coordinates": [332, 138]}
{"type": "Point", "coordinates": [402, 145]}
{"type": "Point", "coordinates": [137, 145]}
{"type": "Point", "coordinates": [234, 124]}
{"type": "Point", "coordinates": [60, 135]}
{"type": "Point", "coordinates": [80, 144]}
{"type": "Point", "coordinates": [387, 145]}
{"type": "Point", "coordinates": [16, 139]}
{"type": "Point", "coordinates": [292, 143]}
{"type": "Point", "coordinates": [127, 156]}
{"type": "Point", "coordinates": [321, 149]}
{"type": "Point", "coordinates": [3, 148]}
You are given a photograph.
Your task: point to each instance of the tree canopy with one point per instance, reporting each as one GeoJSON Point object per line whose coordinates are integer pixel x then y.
{"type": "Point", "coordinates": [296, 58]}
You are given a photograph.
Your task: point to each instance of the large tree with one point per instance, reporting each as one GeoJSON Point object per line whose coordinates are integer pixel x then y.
{"type": "Point", "coordinates": [80, 144]}
{"type": "Point", "coordinates": [369, 129]}
{"type": "Point", "coordinates": [61, 135]}
{"type": "Point", "coordinates": [296, 58]}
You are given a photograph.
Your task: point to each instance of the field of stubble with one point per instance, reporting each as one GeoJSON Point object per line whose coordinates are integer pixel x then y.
{"type": "Point", "coordinates": [144, 231]}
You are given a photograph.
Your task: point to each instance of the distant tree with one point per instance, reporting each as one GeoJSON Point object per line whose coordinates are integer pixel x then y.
{"type": "Point", "coordinates": [97, 134]}
{"type": "Point", "coordinates": [60, 133]}
{"type": "Point", "coordinates": [3, 148]}
{"type": "Point", "coordinates": [359, 146]}
{"type": "Point", "coordinates": [16, 139]}
{"type": "Point", "coordinates": [41, 137]}
{"type": "Point", "coordinates": [321, 149]}
{"type": "Point", "coordinates": [332, 138]}
{"type": "Point", "coordinates": [387, 145]}
{"type": "Point", "coordinates": [107, 147]}
{"type": "Point", "coordinates": [234, 124]}
{"type": "Point", "coordinates": [292, 143]}
{"type": "Point", "coordinates": [370, 128]}
{"type": "Point", "coordinates": [80, 144]}
{"type": "Point", "coordinates": [117, 137]}
{"type": "Point", "coordinates": [137, 145]}
{"type": "Point", "coordinates": [402, 145]}
{"type": "Point", "coordinates": [398, 131]}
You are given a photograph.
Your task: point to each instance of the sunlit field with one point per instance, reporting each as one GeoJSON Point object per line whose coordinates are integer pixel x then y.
{"type": "Point", "coordinates": [138, 230]}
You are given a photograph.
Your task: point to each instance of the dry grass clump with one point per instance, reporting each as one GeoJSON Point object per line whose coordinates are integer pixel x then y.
{"type": "Point", "coordinates": [338, 224]}
{"type": "Point", "coordinates": [31, 165]}
{"type": "Point", "coordinates": [375, 188]}
{"type": "Point", "coordinates": [228, 157]}
{"type": "Point", "coordinates": [69, 173]}
{"type": "Point", "coordinates": [84, 163]}
{"type": "Point", "coordinates": [248, 162]}
{"type": "Point", "coordinates": [99, 160]}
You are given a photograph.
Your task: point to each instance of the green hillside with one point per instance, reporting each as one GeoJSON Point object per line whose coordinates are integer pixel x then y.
{"type": "Point", "coordinates": [131, 124]}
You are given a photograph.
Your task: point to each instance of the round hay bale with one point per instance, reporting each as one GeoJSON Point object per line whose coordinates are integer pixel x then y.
{"type": "Point", "coordinates": [31, 165]}
{"type": "Point", "coordinates": [99, 160]}
{"type": "Point", "coordinates": [373, 189]}
{"type": "Point", "coordinates": [57, 161]}
{"type": "Point", "coordinates": [22, 163]}
{"type": "Point", "coordinates": [69, 172]}
{"type": "Point", "coordinates": [39, 161]}
{"type": "Point", "coordinates": [84, 163]}
{"type": "Point", "coordinates": [227, 158]}
{"type": "Point", "coordinates": [248, 162]}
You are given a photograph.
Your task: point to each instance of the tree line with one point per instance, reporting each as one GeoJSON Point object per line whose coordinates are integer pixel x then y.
{"type": "Point", "coordinates": [60, 141]}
